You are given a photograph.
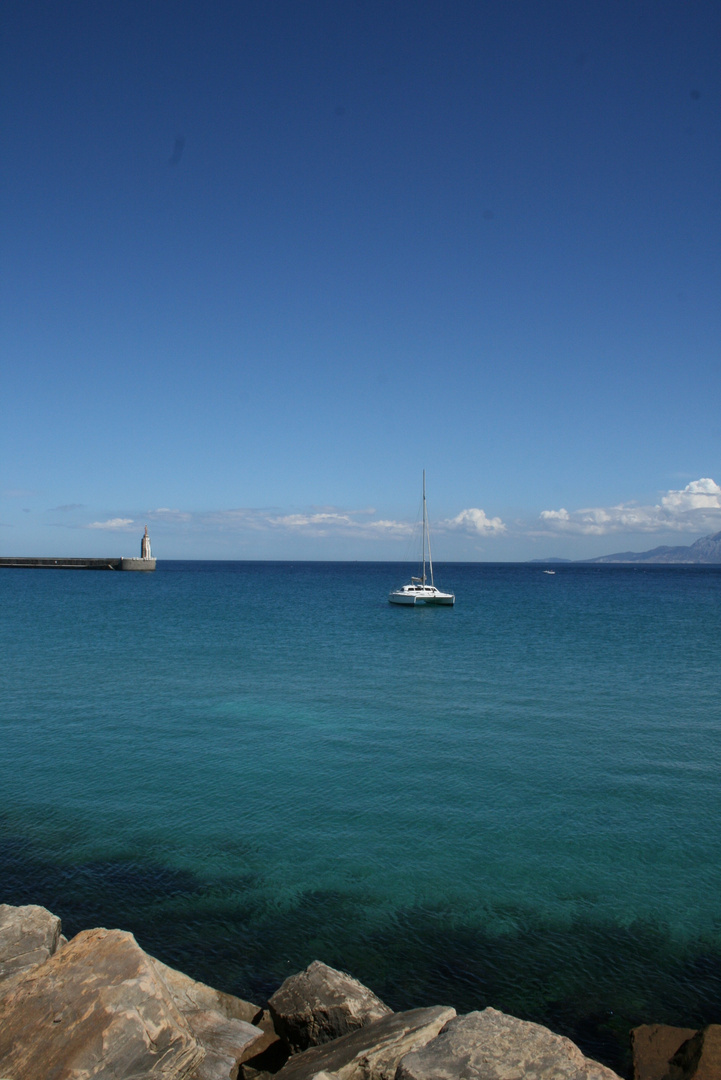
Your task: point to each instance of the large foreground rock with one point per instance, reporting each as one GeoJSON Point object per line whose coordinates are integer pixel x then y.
{"type": "Point", "coordinates": [95, 1009]}
{"type": "Point", "coordinates": [29, 936]}
{"type": "Point", "coordinates": [321, 1004]}
{"type": "Point", "coordinates": [653, 1046]}
{"type": "Point", "coordinates": [100, 1008]}
{"type": "Point", "coordinates": [372, 1052]}
{"type": "Point", "coordinates": [489, 1045]}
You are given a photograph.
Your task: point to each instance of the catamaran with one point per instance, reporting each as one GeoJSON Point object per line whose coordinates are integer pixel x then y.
{"type": "Point", "coordinates": [419, 591]}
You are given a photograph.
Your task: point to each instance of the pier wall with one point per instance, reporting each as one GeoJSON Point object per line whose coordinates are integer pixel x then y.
{"type": "Point", "coordinates": [33, 563]}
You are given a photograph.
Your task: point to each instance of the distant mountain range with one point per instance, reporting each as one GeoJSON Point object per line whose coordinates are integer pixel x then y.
{"type": "Point", "coordinates": [705, 550]}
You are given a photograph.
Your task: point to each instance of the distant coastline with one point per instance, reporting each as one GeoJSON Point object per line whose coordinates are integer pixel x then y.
{"type": "Point", "coordinates": [705, 551]}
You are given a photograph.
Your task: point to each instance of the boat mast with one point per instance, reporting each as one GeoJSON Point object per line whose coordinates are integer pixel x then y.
{"type": "Point", "coordinates": [424, 527]}
{"type": "Point", "coordinates": [428, 535]}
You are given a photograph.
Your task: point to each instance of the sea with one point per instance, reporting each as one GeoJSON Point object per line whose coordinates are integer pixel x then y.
{"type": "Point", "coordinates": [252, 765]}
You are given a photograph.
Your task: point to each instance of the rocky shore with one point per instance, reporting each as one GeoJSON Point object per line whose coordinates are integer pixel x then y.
{"type": "Point", "coordinates": [99, 1006]}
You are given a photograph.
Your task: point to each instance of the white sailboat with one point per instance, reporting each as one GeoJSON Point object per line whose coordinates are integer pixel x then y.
{"type": "Point", "coordinates": [419, 591]}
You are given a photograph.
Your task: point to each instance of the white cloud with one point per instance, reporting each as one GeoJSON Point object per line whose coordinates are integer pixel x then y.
{"type": "Point", "coordinates": [323, 521]}
{"type": "Point", "coordinates": [113, 523]}
{"type": "Point", "coordinates": [300, 521]}
{"type": "Point", "coordinates": [323, 524]}
{"type": "Point", "coordinates": [696, 508]}
{"type": "Point", "coordinates": [474, 521]}
{"type": "Point", "coordinates": [704, 494]}
{"type": "Point", "coordinates": [163, 513]}
{"type": "Point", "coordinates": [395, 528]}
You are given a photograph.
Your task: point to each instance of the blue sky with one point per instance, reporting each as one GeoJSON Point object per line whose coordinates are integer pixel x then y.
{"type": "Point", "coordinates": [263, 262]}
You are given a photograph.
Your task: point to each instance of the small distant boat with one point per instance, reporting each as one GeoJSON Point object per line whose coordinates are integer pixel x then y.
{"type": "Point", "coordinates": [549, 571]}
{"type": "Point", "coordinates": [419, 591]}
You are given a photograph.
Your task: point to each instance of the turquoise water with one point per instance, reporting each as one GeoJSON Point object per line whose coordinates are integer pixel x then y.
{"type": "Point", "coordinates": [513, 802]}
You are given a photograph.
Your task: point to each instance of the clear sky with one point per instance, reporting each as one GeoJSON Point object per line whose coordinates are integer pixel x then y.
{"type": "Point", "coordinates": [263, 261]}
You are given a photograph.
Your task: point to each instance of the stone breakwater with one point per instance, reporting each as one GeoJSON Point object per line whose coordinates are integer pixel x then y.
{"type": "Point", "coordinates": [99, 1006]}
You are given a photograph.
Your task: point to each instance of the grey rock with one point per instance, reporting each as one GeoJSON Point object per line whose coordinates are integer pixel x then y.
{"type": "Point", "coordinates": [321, 1004]}
{"type": "Point", "coordinates": [372, 1052]}
{"type": "Point", "coordinates": [97, 1008]}
{"type": "Point", "coordinates": [490, 1045]}
{"type": "Point", "coordinates": [29, 935]}
{"type": "Point", "coordinates": [653, 1046]}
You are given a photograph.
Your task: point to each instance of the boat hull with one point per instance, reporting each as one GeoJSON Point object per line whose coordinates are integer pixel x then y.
{"type": "Point", "coordinates": [424, 599]}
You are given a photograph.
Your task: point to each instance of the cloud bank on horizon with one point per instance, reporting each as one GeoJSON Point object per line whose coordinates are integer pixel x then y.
{"type": "Point", "coordinates": [695, 508]}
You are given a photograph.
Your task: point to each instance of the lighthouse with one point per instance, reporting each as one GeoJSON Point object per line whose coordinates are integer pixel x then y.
{"type": "Point", "coordinates": [145, 552]}
{"type": "Point", "coordinates": [146, 560]}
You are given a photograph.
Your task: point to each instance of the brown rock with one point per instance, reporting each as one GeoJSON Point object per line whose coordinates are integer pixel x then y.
{"type": "Point", "coordinates": [223, 1040]}
{"type": "Point", "coordinates": [489, 1045]}
{"type": "Point", "coordinates": [218, 1025]}
{"type": "Point", "coordinates": [97, 1008]}
{"type": "Point", "coordinates": [28, 937]}
{"type": "Point", "coordinates": [699, 1058]}
{"type": "Point", "coordinates": [321, 1004]}
{"type": "Point", "coordinates": [372, 1052]}
{"type": "Point", "coordinates": [653, 1046]}
{"type": "Point", "coordinates": [222, 1024]}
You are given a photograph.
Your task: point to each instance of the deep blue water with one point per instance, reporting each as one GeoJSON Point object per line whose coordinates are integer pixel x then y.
{"type": "Point", "coordinates": [512, 802]}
